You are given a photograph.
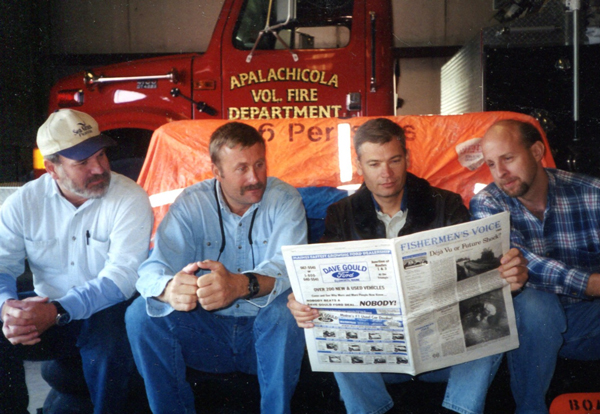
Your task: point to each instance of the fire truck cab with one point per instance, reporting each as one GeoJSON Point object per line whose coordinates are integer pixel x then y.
{"type": "Point", "coordinates": [267, 59]}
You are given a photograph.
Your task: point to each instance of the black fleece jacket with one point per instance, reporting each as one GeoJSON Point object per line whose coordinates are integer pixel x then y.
{"type": "Point", "coordinates": [355, 218]}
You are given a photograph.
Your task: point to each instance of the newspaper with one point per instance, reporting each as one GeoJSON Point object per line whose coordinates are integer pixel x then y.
{"type": "Point", "coordinates": [409, 304]}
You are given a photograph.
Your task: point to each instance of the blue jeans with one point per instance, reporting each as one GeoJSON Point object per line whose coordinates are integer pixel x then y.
{"type": "Point", "coordinates": [269, 345]}
{"type": "Point", "coordinates": [546, 329]}
{"type": "Point", "coordinates": [468, 384]}
{"type": "Point", "coordinates": [101, 341]}
{"type": "Point", "coordinates": [366, 393]}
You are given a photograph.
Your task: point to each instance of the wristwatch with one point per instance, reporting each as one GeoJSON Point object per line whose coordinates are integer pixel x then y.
{"type": "Point", "coordinates": [62, 316]}
{"type": "Point", "coordinates": [253, 286]}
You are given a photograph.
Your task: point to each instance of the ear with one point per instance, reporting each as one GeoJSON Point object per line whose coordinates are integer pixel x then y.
{"type": "Point", "coordinates": [215, 171]}
{"type": "Point", "coordinates": [359, 169]}
{"type": "Point", "coordinates": [50, 169]}
{"type": "Point", "coordinates": [537, 150]}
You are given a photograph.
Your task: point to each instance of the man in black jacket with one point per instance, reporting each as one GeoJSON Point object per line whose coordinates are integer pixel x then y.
{"type": "Point", "coordinates": [392, 203]}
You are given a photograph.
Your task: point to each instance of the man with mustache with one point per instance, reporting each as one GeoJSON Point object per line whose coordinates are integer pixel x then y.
{"type": "Point", "coordinates": [84, 231]}
{"type": "Point", "coordinates": [214, 288]}
{"type": "Point", "coordinates": [393, 202]}
{"type": "Point", "coordinates": [555, 222]}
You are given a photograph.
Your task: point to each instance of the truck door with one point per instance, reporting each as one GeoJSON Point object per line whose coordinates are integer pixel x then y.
{"type": "Point", "coordinates": [310, 67]}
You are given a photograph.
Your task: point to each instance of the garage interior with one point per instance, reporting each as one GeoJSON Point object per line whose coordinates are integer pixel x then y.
{"type": "Point", "coordinates": [455, 56]}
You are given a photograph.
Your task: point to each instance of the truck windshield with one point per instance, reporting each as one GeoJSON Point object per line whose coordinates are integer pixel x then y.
{"type": "Point", "coordinates": [319, 24]}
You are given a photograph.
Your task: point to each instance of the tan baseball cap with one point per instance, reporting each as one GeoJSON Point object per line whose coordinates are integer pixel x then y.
{"type": "Point", "coordinates": [72, 134]}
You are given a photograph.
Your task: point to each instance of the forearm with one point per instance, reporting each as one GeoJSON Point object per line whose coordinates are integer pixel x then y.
{"type": "Point", "coordinates": [83, 301]}
{"type": "Point", "coordinates": [8, 288]}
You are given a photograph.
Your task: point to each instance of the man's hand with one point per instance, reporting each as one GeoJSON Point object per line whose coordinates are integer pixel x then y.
{"type": "Point", "coordinates": [26, 320]}
{"type": "Point", "coordinates": [593, 286]}
{"type": "Point", "coordinates": [180, 292]}
{"type": "Point", "coordinates": [219, 288]}
{"type": "Point", "coordinates": [303, 314]}
{"type": "Point", "coordinates": [513, 268]}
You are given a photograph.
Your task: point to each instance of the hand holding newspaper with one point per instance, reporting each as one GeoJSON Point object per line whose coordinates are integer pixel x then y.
{"type": "Point", "coordinates": [409, 304]}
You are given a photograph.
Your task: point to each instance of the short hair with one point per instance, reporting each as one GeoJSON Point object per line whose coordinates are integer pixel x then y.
{"type": "Point", "coordinates": [528, 132]}
{"type": "Point", "coordinates": [233, 134]}
{"type": "Point", "coordinates": [379, 131]}
{"type": "Point", "coordinates": [53, 158]}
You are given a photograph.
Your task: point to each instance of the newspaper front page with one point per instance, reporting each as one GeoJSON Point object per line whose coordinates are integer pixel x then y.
{"type": "Point", "coordinates": [409, 304]}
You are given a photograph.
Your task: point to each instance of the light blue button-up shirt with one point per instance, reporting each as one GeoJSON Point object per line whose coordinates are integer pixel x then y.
{"type": "Point", "coordinates": [86, 257]}
{"type": "Point", "coordinates": [191, 232]}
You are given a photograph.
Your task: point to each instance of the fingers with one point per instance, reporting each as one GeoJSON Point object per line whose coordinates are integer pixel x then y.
{"type": "Point", "coordinates": [210, 265]}
{"type": "Point", "coordinates": [215, 290]}
{"type": "Point", "coordinates": [512, 258]}
{"type": "Point", "coordinates": [513, 269]}
{"type": "Point", "coordinates": [38, 299]}
{"type": "Point", "coordinates": [21, 334]}
{"type": "Point", "coordinates": [180, 292]}
{"type": "Point", "coordinates": [191, 268]}
{"type": "Point", "coordinates": [17, 309]}
{"type": "Point", "coordinates": [303, 314]}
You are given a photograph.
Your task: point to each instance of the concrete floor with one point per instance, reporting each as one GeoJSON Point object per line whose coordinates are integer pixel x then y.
{"type": "Point", "coordinates": [38, 388]}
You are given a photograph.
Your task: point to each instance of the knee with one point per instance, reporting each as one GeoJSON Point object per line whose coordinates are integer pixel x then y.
{"type": "Point", "coordinates": [540, 312]}
{"type": "Point", "coordinates": [136, 316]}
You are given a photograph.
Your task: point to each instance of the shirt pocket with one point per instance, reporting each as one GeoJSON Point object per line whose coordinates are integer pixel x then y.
{"type": "Point", "coordinates": [97, 255]}
{"type": "Point", "coordinates": [44, 254]}
{"type": "Point", "coordinates": [260, 248]}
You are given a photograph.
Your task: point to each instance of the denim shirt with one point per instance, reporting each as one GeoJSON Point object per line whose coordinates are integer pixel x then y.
{"type": "Point", "coordinates": [85, 257]}
{"type": "Point", "coordinates": [191, 232]}
{"type": "Point", "coordinates": [563, 250]}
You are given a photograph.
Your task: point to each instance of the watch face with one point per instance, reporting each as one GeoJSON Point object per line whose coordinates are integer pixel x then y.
{"type": "Point", "coordinates": [63, 319]}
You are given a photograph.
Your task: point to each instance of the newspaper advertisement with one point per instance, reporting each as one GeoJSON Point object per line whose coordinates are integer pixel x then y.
{"type": "Point", "coordinates": [409, 304]}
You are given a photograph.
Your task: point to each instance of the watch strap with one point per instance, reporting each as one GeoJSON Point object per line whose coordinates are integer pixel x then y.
{"type": "Point", "coordinates": [253, 285]}
{"type": "Point", "coordinates": [62, 316]}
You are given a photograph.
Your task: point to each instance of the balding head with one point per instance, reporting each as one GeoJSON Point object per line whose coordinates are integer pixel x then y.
{"type": "Point", "coordinates": [513, 150]}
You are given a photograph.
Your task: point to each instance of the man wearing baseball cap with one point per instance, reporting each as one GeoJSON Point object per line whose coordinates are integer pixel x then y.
{"type": "Point", "coordinates": [84, 231]}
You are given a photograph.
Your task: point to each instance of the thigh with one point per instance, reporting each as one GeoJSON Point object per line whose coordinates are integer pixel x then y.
{"type": "Point", "coordinates": [210, 342]}
{"type": "Point", "coordinates": [582, 337]}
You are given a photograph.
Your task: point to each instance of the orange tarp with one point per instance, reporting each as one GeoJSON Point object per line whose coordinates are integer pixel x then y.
{"type": "Point", "coordinates": [304, 152]}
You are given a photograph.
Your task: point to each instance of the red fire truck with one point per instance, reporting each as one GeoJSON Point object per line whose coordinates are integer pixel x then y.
{"type": "Point", "coordinates": [266, 59]}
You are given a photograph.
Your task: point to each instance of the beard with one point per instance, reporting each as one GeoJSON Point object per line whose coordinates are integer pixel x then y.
{"type": "Point", "coordinates": [88, 191]}
{"type": "Point", "coordinates": [519, 191]}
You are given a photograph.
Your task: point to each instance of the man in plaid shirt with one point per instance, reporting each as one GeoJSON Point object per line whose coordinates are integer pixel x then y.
{"type": "Point", "coordinates": [555, 222]}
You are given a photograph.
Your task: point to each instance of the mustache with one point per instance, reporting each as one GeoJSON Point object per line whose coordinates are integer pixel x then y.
{"type": "Point", "coordinates": [257, 186]}
{"type": "Point", "coordinates": [104, 176]}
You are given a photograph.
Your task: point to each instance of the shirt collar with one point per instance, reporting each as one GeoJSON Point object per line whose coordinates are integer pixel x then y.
{"type": "Point", "coordinates": [402, 203]}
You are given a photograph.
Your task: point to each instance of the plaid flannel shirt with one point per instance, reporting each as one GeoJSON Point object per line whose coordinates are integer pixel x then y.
{"type": "Point", "coordinates": [563, 250]}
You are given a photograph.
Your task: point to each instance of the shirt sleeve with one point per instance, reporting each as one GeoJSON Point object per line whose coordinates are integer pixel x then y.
{"type": "Point", "coordinates": [12, 248]}
{"type": "Point", "coordinates": [172, 248]}
{"type": "Point", "coordinates": [289, 229]}
{"type": "Point", "coordinates": [545, 274]}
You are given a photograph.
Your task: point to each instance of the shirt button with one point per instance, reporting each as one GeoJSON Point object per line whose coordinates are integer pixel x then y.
{"type": "Point", "coordinates": [239, 270]}
{"type": "Point", "coordinates": [264, 242]}
{"type": "Point", "coordinates": [240, 247]}
{"type": "Point", "coordinates": [237, 305]}
{"type": "Point", "coordinates": [74, 238]}
{"type": "Point", "coordinates": [208, 244]}
{"type": "Point", "coordinates": [274, 292]}
{"type": "Point", "coordinates": [240, 224]}
{"type": "Point", "coordinates": [72, 263]}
